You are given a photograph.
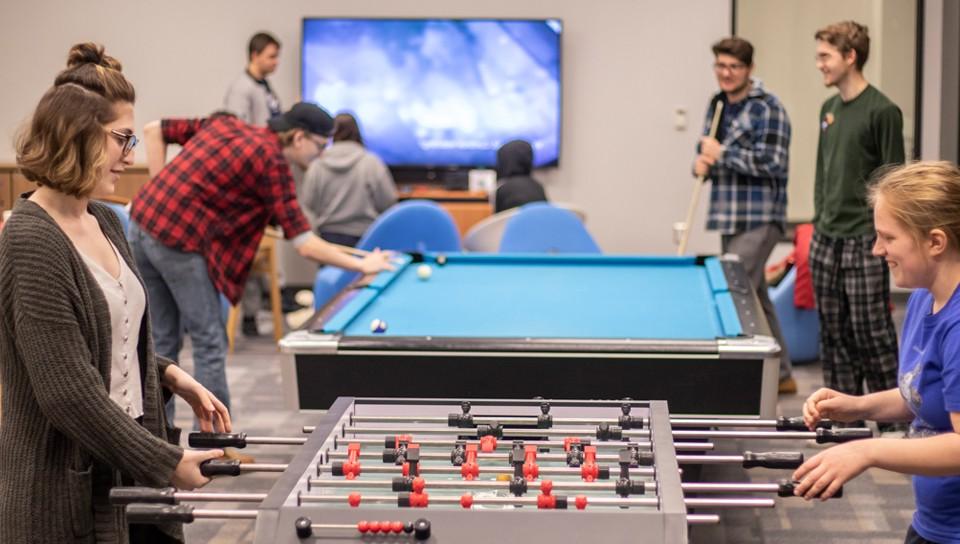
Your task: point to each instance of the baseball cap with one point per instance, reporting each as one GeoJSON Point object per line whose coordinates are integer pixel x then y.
{"type": "Point", "coordinates": [303, 115]}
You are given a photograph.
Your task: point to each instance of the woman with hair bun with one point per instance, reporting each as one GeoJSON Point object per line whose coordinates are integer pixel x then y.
{"type": "Point", "coordinates": [83, 392]}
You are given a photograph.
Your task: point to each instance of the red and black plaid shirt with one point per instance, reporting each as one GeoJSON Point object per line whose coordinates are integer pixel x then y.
{"type": "Point", "coordinates": [216, 196]}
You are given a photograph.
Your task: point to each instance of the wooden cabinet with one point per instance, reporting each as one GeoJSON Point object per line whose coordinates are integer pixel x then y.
{"type": "Point", "coordinates": [19, 185]}
{"type": "Point", "coordinates": [13, 184]}
{"type": "Point", "coordinates": [466, 207]}
{"type": "Point", "coordinates": [6, 191]}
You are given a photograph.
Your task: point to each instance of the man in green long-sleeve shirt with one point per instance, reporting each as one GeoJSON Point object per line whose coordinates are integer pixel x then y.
{"type": "Point", "coordinates": [861, 130]}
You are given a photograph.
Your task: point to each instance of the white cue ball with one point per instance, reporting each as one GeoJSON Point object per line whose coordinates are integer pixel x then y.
{"type": "Point", "coordinates": [424, 272]}
{"type": "Point", "coordinates": [378, 326]}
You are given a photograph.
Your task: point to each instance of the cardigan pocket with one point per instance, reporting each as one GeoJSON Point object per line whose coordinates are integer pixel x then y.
{"type": "Point", "coordinates": [80, 495]}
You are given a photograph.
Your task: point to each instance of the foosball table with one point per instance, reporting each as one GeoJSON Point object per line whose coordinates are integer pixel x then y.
{"type": "Point", "coordinates": [441, 470]}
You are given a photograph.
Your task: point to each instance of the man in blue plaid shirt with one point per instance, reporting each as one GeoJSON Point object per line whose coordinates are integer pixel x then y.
{"type": "Point", "coordinates": [747, 162]}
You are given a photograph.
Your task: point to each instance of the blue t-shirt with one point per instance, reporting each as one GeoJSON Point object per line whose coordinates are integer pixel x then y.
{"type": "Point", "coordinates": [929, 381]}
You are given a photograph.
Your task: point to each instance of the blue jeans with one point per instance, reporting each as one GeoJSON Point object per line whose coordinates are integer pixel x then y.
{"type": "Point", "coordinates": [182, 297]}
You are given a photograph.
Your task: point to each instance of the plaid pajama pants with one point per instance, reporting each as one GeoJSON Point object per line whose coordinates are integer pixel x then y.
{"type": "Point", "coordinates": [858, 341]}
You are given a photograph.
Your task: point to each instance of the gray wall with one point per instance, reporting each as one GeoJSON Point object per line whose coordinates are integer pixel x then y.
{"type": "Point", "coordinates": [627, 66]}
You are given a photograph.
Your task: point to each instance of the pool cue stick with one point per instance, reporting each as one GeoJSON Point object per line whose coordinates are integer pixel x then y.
{"type": "Point", "coordinates": [695, 199]}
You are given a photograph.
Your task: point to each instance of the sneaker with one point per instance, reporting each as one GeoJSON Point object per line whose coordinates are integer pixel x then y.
{"type": "Point", "coordinates": [787, 386]}
{"type": "Point", "coordinates": [249, 326]}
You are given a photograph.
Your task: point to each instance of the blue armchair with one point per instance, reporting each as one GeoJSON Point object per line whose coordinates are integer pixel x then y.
{"type": "Point", "coordinates": [801, 327]}
{"type": "Point", "coordinates": [411, 225]}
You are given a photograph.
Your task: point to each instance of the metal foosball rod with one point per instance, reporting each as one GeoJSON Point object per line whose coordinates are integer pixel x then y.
{"type": "Point", "coordinates": [390, 442]}
{"type": "Point", "coordinates": [542, 502]}
{"type": "Point", "coordinates": [184, 513]}
{"type": "Point", "coordinates": [303, 527]}
{"type": "Point", "coordinates": [233, 467]}
{"type": "Point", "coordinates": [465, 419]}
{"type": "Point", "coordinates": [517, 487]}
{"type": "Point", "coordinates": [120, 496]}
{"type": "Point", "coordinates": [613, 433]}
{"type": "Point", "coordinates": [625, 421]}
{"type": "Point", "coordinates": [786, 460]}
{"type": "Point", "coordinates": [782, 488]}
{"type": "Point", "coordinates": [241, 440]}
{"type": "Point", "coordinates": [587, 472]}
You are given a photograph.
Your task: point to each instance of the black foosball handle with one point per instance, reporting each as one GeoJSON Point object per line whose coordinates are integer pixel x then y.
{"type": "Point", "coordinates": [825, 436]}
{"type": "Point", "coordinates": [120, 496]}
{"type": "Point", "coordinates": [772, 459]}
{"type": "Point", "coordinates": [220, 467]}
{"type": "Point", "coordinates": [303, 526]}
{"type": "Point", "coordinates": [159, 513]}
{"type": "Point", "coordinates": [787, 487]}
{"type": "Point", "coordinates": [217, 440]}
{"type": "Point", "coordinates": [796, 424]}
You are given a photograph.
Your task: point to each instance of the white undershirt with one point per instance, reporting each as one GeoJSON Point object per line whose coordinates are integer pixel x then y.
{"type": "Point", "coordinates": [127, 302]}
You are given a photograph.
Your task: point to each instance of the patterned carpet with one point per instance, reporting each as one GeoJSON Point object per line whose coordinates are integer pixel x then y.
{"type": "Point", "coordinates": [876, 507]}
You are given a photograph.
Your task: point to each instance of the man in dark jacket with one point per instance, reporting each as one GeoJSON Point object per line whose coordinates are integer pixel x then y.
{"type": "Point", "coordinates": [515, 187]}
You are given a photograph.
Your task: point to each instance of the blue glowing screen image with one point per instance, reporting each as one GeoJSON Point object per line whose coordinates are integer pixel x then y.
{"type": "Point", "coordinates": [439, 92]}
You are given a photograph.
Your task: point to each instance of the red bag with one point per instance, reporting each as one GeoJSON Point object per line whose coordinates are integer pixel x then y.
{"type": "Point", "coordinates": [803, 291]}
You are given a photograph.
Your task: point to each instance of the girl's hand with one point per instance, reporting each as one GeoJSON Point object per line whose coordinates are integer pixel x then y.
{"type": "Point", "coordinates": [187, 475]}
{"type": "Point", "coordinates": [823, 474]}
{"type": "Point", "coordinates": [211, 413]}
{"type": "Point", "coordinates": [826, 403]}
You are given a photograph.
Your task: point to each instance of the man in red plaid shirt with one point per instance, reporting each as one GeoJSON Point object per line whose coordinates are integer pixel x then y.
{"type": "Point", "coordinates": [197, 224]}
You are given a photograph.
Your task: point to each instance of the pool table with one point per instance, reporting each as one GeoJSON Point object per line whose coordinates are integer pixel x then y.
{"type": "Point", "coordinates": [683, 329]}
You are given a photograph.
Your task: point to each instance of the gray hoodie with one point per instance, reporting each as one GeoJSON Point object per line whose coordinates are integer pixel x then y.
{"type": "Point", "coordinates": [346, 189]}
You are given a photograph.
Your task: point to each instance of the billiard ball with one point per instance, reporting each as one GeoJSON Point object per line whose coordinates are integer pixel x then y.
{"type": "Point", "coordinates": [378, 326]}
{"type": "Point", "coordinates": [441, 260]}
{"type": "Point", "coordinates": [424, 271]}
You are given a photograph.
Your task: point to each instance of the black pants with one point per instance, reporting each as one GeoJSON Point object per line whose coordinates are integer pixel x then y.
{"type": "Point", "coordinates": [913, 538]}
{"type": "Point", "coordinates": [342, 239]}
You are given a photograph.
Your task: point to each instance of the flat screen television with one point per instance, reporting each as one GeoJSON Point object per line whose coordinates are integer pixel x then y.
{"type": "Point", "coordinates": [439, 93]}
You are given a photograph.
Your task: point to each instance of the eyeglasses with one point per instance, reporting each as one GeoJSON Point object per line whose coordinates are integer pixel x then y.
{"type": "Point", "coordinates": [720, 67]}
{"type": "Point", "coordinates": [127, 140]}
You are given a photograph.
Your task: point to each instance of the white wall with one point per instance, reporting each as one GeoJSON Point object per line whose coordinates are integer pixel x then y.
{"type": "Point", "coordinates": [941, 80]}
{"type": "Point", "coordinates": [627, 65]}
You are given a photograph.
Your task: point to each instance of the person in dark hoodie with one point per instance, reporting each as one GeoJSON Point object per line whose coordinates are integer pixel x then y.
{"type": "Point", "coordinates": [515, 186]}
{"type": "Point", "coordinates": [347, 187]}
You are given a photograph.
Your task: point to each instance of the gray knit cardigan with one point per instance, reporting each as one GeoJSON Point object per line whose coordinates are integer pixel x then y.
{"type": "Point", "coordinates": [63, 442]}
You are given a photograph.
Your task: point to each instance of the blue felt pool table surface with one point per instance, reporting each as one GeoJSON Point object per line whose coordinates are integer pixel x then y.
{"type": "Point", "coordinates": [546, 296]}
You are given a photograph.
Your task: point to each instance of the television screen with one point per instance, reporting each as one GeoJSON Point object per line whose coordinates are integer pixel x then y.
{"type": "Point", "coordinates": [439, 92]}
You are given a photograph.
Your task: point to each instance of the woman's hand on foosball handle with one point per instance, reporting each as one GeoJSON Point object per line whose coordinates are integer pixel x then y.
{"type": "Point", "coordinates": [821, 476]}
{"type": "Point", "coordinates": [187, 475]}
{"type": "Point", "coordinates": [826, 403]}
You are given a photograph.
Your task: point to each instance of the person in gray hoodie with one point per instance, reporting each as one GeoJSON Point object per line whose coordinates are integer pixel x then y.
{"type": "Point", "coordinates": [347, 187]}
